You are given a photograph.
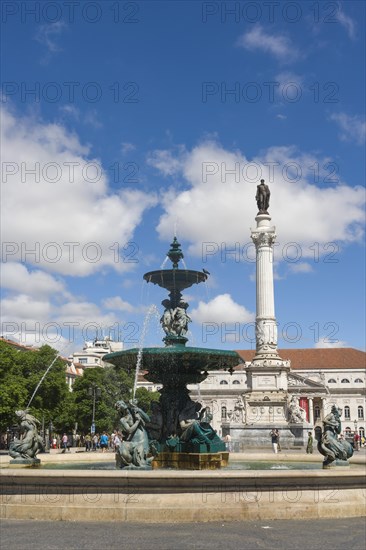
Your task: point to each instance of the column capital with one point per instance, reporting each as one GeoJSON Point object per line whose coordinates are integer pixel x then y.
{"type": "Point", "coordinates": [263, 238]}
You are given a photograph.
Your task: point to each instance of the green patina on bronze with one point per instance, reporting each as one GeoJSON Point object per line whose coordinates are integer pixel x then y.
{"type": "Point", "coordinates": [178, 425]}
{"type": "Point", "coordinates": [169, 364]}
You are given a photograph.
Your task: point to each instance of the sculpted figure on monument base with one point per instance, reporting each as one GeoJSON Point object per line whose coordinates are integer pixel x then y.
{"type": "Point", "coordinates": [296, 414]}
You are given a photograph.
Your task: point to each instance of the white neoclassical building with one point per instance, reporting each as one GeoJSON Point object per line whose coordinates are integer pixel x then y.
{"type": "Point", "coordinates": [92, 353]}
{"type": "Point", "coordinates": [318, 379]}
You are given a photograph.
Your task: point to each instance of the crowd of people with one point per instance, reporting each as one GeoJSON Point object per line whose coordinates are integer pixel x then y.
{"type": "Point", "coordinates": [357, 442]}
{"type": "Point", "coordinates": [109, 442]}
{"type": "Point", "coordinates": [90, 442]}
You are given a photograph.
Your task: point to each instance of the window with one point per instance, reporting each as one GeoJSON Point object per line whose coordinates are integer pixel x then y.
{"type": "Point", "coordinates": [360, 412]}
{"type": "Point", "coordinates": [223, 413]}
{"type": "Point", "coordinates": [223, 382]}
{"type": "Point", "coordinates": [359, 381]}
{"type": "Point", "coordinates": [332, 381]}
{"type": "Point", "coordinates": [344, 381]}
{"type": "Point", "coordinates": [347, 412]}
{"type": "Point", "coordinates": [316, 412]}
{"type": "Point", "coordinates": [83, 360]}
{"type": "Point", "coordinates": [348, 431]}
{"type": "Point", "coordinates": [236, 381]}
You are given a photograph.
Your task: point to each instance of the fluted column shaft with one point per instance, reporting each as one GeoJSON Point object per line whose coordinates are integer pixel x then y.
{"type": "Point", "coordinates": [263, 237]}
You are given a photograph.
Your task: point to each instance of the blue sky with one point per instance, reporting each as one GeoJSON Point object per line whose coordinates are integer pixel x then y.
{"type": "Point", "coordinates": [148, 118]}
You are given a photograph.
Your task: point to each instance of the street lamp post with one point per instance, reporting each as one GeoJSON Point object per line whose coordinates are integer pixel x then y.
{"type": "Point", "coordinates": [355, 437]}
{"type": "Point", "coordinates": [94, 392]}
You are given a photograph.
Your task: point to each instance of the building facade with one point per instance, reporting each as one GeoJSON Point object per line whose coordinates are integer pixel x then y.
{"type": "Point", "coordinates": [319, 378]}
{"type": "Point", "coordinates": [93, 352]}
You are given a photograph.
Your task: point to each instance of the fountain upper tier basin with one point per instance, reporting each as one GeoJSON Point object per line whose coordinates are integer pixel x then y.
{"type": "Point", "coordinates": [175, 279]}
{"type": "Point", "coordinates": [164, 364]}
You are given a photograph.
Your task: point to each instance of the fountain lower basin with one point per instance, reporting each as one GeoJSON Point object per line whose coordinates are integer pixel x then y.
{"type": "Point", "coordinates": [165, 496]}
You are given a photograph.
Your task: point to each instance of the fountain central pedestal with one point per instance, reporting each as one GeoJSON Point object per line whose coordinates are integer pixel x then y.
{"type": "Point", "coordinates": [179, 432]}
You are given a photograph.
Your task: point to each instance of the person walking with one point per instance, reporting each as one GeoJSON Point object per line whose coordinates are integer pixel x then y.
{"type": "Point", "coordinates": [279, 449]}
{"type": "Point", "coordinates": [64, 442]}
{"type": "Point", "coordinates": [274, 434]}
{"type": "Point", "coordinates": [309, 447]}
{"type": "Point", "coordinates": [87, 441]}
{"type": "Point", "coordinates": [104, 442]}
{"type": "Point", "coordinates": [227, 440]}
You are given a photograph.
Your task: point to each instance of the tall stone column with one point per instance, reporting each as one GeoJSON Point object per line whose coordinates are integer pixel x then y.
{"type": "Point", "coordinates": [311, 411]}
{"type": "Point", "coordinates": [266, 399]}
{"type": "Point", "coordinates": [323, 412]}
{"type": "Point", "coordinates": [263, 237]}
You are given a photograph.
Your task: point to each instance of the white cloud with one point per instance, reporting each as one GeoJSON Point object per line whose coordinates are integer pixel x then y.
{"type": "Point", "coordinates": [91, 118]}
{"type": "Point", "coordinates": [63, 323]}
{"type": "Point", "coordinates": [346, 22]}
{"type": "Point", "coordinates": [301, 267]}
{"type": "Point", "coordinates": [48, 35]}
{"type": "Point", "coordinates": [280, 46]}
{"type": "Point", "coordinates": [290, 86]}
{"type": "Point", "coordinates": [116, 303]}
{"type": "Point", "coordinates": [15, 276]}
{"type": "Point", "coordinates": [217, 206]}
{"type": "Point", "coordinates": [166, 161]}
{"type": "Point", "coordinates": [24, 308]}
{"type": "Point", "coordinates": [221, 309]}
{"type": "Point", "coordinates": [70, 110]}
{"type": "Point", "coordinates": [68, 201]}
{"type": "Point", "coordinates": [324, 343]}
{"type": "Point", "coordinates": [353, 128]}
{"type": "Point", "coordinates": [84, 313]}
{"type": "Point", "coordinates": [127, 147]}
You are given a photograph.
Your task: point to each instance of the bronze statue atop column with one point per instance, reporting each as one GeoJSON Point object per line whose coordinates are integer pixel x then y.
{"type": "Point", "coordinates": [262, 197]}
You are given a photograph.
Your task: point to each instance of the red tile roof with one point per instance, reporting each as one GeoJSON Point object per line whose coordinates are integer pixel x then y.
{"type": "Point", "coordinates": [317, 358]}
{"type": "Point", "coordinates": [16, 345]}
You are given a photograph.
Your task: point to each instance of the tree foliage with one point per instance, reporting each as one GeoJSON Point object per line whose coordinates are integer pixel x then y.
{"type": "Point", "coordinates": [20, 372]}
{"type": "Point", "coordinates": [113, 384]}
{"type": "Point", "coordinates": [145, 398]}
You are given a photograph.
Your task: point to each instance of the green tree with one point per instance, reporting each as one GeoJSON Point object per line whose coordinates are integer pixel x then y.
{"type": "Point", "coordinates": [20, 372]}
{"type": "Point", "coordinates": [145, 398]}
{"type": "Point", "coordinates": [113, 385]}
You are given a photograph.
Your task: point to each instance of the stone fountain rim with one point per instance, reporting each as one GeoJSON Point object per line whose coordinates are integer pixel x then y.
{"type": "Point", "coordinates": [176, 350]}
{"type": "Point", "coordinates": [164, 496]}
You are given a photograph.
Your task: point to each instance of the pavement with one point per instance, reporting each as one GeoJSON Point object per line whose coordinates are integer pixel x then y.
{"type": "Point", "coordinates": [327, 534]}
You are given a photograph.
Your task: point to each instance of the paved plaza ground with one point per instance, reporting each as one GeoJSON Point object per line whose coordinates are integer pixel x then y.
{"type": "Point", "coordinates": [325, 534]}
